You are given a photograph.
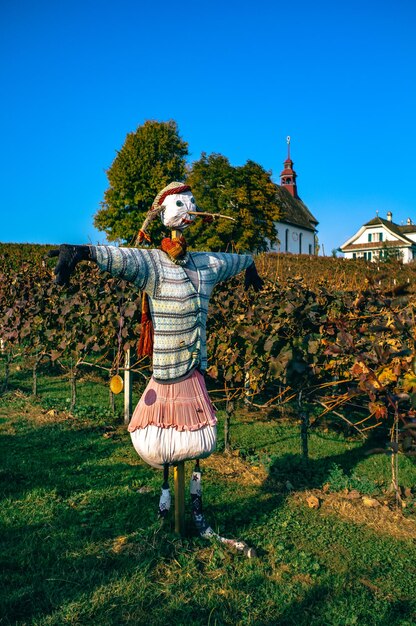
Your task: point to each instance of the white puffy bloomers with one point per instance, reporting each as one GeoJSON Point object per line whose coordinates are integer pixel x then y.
{"type": "Point", "coordinates": [174, 422]}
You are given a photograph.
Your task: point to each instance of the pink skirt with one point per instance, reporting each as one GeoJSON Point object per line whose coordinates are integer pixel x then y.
{"type": "Point", "coordinates": [184, 405]}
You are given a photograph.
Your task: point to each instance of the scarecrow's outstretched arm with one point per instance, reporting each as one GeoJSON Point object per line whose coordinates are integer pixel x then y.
{"type": "Point", "coordinates": [130, 264]}
{"type": "Point", "coordinates": [227, 265]}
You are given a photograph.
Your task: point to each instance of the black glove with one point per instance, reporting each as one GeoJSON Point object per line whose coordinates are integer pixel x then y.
{"type": "Point", "coordinates": [68, 257]}
{"type": "Point", "coordinates": [252, 278]}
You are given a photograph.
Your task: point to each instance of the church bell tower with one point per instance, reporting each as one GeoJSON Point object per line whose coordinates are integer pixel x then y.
{"type": "Point", "coordinates": [288, 174]}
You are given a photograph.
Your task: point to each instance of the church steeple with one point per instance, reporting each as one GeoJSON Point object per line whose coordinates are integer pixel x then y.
{"type": "Point", "coordinates": [288, 174]}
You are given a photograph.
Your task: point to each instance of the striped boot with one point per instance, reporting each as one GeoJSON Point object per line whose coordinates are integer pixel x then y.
{"type": "Point", "coordinates": [195, 489]}
{"type": "Point", "coordinates": [165, 499]}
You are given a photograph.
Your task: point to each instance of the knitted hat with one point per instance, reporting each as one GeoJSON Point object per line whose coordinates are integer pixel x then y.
{"type": "Point", "coordinates": [156, 208]}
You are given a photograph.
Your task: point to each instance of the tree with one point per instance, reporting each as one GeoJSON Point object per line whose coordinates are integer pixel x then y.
{"type": "Point", "coordinates": [151, 157]}
{"type": "Point", "coordinates": [390, 254]}
{"type": "Point", "coordinates": [246, 193]}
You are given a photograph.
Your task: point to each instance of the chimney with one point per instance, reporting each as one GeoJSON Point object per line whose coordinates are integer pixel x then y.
{"type": "Point", "coordinates": [389, 216]}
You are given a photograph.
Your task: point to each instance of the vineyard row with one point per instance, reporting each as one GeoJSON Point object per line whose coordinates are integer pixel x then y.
{"type": "Point", "coordinates": [350, 352]}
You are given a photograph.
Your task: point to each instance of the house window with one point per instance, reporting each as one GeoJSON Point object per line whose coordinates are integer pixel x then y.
{"type": "Point", "coordinates": [370, 237]}
{"type": "Point", "coordinates": [367, 256]}
{"type": "Point", "coordinates": [354, 255]}
{"type": "Point", "coordinates": [300, 242]}
{"type": "Point", "coordinates": [380, 236]}
{"type": "Point", "coordinates": [287, 240]}
{"type": "Point", "coordinates": [310, 248]}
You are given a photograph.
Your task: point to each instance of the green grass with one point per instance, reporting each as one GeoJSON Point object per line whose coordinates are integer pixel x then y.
{"type": "Point", "coordinates": [276, 445]}
{"type": "Point", "coordinates": [54, 388]}
{"type": "Point", "coordinates": [80, 542]}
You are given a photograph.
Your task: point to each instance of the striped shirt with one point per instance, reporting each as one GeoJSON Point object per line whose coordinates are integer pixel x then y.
{"type": "Point", "coordinates": [178, 299]}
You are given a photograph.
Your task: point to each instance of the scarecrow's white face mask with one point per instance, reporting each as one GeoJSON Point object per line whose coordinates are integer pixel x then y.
{"type": "Point", "coordinates": [175, 209]}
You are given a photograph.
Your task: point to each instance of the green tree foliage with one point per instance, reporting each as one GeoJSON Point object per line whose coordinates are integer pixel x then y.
{"type": "Point", "coordinates": [390, 254]}
{"type": "Point", "coordinates": [246, 193]}
{"type": "Point", "coordinates": [151, 157]}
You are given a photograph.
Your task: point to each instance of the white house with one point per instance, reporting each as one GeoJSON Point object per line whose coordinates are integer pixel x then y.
{"type": "Point", "coordinates": [380, 238]}
{"type": "Point", "coordinates": [296, 228]}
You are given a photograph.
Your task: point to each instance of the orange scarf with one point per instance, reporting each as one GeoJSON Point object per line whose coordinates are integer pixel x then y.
{"type": "Point", "coordinates": [174, 248]}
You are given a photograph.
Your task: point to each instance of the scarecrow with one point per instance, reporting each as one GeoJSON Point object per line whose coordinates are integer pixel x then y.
{"type": "Point", "coordinates": [174, 420]}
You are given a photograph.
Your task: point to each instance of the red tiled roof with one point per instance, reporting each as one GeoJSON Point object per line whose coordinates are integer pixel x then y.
{"type": "Point", "coordinates": [374, 245]}
{"type": "Point", "coordinates": [408, 228]}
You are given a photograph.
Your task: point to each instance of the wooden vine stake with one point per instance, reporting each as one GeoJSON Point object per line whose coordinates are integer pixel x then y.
{"type": "Point", "coordinates": [304, 427]}
{"type": "Point", "coordinates": [128, 398]}
{"type": "Point", "coordinates": [395, 457]}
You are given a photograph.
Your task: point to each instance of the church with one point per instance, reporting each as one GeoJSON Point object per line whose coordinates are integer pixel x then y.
{"type": "Point", "coordinates": [296, 228]}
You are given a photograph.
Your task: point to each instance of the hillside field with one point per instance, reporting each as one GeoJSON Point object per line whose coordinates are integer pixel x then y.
{"type": "Point", "coordinates": [336, 544]}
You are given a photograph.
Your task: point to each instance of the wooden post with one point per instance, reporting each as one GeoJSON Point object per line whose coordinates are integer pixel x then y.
{"type": "Point", "coordinates": [128, 399]}
{"type": "Point", "coordinates": [247, 385]}
{"type": "Point", "coordinates": [179, 482]}
{"type": "Point", "coordinates": [179, 470]}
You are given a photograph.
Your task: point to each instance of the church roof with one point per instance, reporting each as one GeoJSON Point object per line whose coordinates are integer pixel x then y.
{"type": "Point", "coordinates": [293, 210]}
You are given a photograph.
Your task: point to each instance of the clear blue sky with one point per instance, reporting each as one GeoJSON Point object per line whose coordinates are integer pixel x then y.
{"type": "Point", "coordinates": [237, 76]}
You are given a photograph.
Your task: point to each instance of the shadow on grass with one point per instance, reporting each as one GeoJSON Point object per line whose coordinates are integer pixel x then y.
{"type": "Point", "coordinates": [78, 525]}
{"type": "Point", "coordinates": [67, 497]}
{"type": "Point", "coordinates": [300, 472]}
{"type": "Point", "coordinates": [324, 604]}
